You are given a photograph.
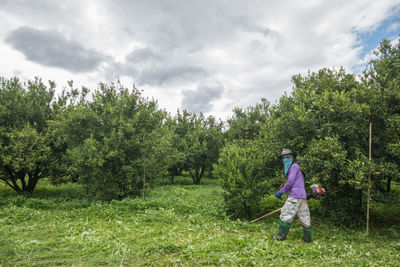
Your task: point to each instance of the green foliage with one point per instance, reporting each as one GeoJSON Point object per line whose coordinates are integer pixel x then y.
{"type": "Point", "coordinates": [241, 172]}
{"type": "Point", "coordinates": [114, 142]}
{"type": "Point", "coordinates": [325, 121]}
{"type": "Point", "coordinates": [25, 148]}
{"type": "Point", "coordinates": [382, 80]}
{"type": "Point", "coordinates": [328, 129]}
{"type": "Point", "coordinates": [248, 123]}
{"type": "Point", "coordinates": [323, 124]}
{"type": "Point", "coordinates": [321, 105]}
{"type": "Point", "coordinates": [393, 131]}
{"type": "Point", "coordinates": [326, 163]}
{"type": "Point", "coordinates": [196, 142]}
{"type": "Point", "coordinates": [74, 123]}
{"type": "Point", "coordinates": [180, 126]}
{"type": "Point", "coordinates": [205, 141]}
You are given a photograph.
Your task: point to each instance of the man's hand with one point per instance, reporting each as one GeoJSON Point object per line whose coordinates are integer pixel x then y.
{"type": "Point", "coordinates": [278, 195]}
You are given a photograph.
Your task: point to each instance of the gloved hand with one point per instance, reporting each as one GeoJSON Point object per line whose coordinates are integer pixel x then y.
{"type": "Point", "coordinates": [278, 195]}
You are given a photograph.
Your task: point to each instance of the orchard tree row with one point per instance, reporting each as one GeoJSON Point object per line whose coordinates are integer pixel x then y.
{"type": "Point", "coordinates": [111, 140]}
{"type": "Point", "coordinates": [111, 143]}
{"type": "Point", "coordinates": [325, 120]}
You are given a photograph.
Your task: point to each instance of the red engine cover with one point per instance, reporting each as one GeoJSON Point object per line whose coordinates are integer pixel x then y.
{"type": "Point", "coordinates": [320, 191]}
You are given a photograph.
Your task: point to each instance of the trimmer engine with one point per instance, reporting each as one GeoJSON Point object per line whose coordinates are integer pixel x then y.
{"type": "Point", "coordinates": [316, 191]}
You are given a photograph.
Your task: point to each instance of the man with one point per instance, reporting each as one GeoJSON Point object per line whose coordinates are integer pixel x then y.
{"type": "Point", "coordinates": [297, 200]}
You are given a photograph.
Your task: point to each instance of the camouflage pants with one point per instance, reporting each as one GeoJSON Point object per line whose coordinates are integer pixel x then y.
{"type": "Point", "coordinates": [295, 206]}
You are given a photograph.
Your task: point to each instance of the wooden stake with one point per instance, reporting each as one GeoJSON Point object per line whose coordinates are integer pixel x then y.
{"type": "Point", "coordinates": [369, 175]}
{"type": "Point", "coordinates": [144, 183]}
{"type": "Point", "coordinates": [266, 215]}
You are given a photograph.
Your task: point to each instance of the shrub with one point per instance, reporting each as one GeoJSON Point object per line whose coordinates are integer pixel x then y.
{"type": "Point", "coordinates": [242, 174]}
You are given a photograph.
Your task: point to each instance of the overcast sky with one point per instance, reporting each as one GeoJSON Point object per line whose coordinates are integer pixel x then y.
{"type": "Point", "coordinates": [203, 55]}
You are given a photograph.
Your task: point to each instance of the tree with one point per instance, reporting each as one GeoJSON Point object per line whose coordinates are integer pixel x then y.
{"type": "Point", "coordinates": [325, 125]}
{"type": "Point", "coordinates": [25, 149]}
{"type": "Point", "coordinates": [73, 122]}
{"type": "Point", "coordinates": [196, 142]}
{"type": "Point", "coordinates": [382, 80]}
{"type": "Point", "coordinates": [248, 123]}
{"type": "Point", "coordinates": [204, 142]}
{"type": "Point", "coordinates": [328, 128]}
{"type": "Point", "coordinates": [180, 126]}
{"type": "Point", "coordinates": [113, 141]}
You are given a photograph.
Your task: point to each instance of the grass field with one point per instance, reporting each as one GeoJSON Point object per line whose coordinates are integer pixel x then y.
{"type": "Point", "coordinates": [179, 225]}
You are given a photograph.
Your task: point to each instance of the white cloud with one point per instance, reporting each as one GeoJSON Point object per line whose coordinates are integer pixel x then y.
{"type": "Point", "coordinates": [394, 27]}
{"type": "Point", "coordinates": [172, 50]}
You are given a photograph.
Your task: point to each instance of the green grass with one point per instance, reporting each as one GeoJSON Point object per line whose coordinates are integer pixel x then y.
{"type": "Point", "coordinates": [180, 225]}
{"type": "Point", "coordinates": [183, 180]}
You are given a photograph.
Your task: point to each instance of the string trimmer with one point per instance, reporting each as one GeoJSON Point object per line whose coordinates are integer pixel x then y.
{"type": "Point", "coordinates": [316, 192]}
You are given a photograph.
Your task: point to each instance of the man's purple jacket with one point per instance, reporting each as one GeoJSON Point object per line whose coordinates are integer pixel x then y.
{"type": "Point", "coordinates": [295, 183]}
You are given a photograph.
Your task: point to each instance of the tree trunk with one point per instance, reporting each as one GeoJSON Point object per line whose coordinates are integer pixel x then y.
{"type": "Point", "coordinates": [248, 209]}
{"type": "Point", "coordinates": [179, 173]}
{"type": "Point", "coordinates": [33, 179]}
{"type": "Point", "coordinates": [21, 177]}
{"type": "Point", "coordinates": [13, 179]}
{"type": "Point", "coordinates": [201, 173]}
{"type": "Point", "coordinates": [196, 176]}
{"type": "Point", "coordinates": [360, 199]}
{"type": "Point", "coordinates": [388, 182]}
{"type": "Point", "coordinates": [246, 206]}
{"type": "Point", "coordinates": [13, 186]}
{"type": "Point", "coordinates": [172, 179]}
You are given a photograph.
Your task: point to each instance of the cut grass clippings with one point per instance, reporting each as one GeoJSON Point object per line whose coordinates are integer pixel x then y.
{"type": "Point", "coordinates": [180, 225]}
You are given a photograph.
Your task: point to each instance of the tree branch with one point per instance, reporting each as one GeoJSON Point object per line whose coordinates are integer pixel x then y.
{"type": "Point", "coordinates": [10, 185]}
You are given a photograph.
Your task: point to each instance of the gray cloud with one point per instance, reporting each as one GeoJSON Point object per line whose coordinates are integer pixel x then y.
{"type": "Point", "coordinates": [165, 74]}
{"type": "Point", "coordinates": [143, 55]}
{"type": "Point", "coordinates": [200, 100]}
{"type": "Point", "coordinates": [148, 67]}
{"type": "Point", "coordinates": [116, 69]}
{"type": "Point", "coordinates": [169, 26]}
{"type": "Point", "coordinates": [247, 24]}
{"type": "Point", "coordinates": [265, 31]}
{"type": "Point", "coordinates": [50, 48]}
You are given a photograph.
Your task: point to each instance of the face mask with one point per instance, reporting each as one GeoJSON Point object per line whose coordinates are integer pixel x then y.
{"type": "Point", "coordinates": [287, 161]}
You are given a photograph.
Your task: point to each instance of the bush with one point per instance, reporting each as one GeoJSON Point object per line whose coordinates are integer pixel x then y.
{"type": "Point", "coordinates": [326, 163]}
{"type": "Point", "coordinates": [242, 174]}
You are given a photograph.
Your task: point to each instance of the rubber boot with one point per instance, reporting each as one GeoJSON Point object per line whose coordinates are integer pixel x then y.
{"type": "Point", "coordinates": [307, 234]}
{"type": "Point", "coordinates": [283, 231]}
